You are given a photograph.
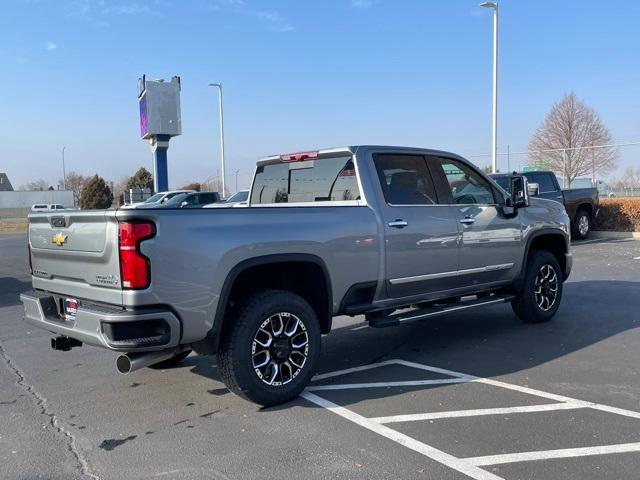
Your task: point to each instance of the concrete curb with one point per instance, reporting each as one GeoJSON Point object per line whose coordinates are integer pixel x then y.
{"type": "Point", "coordinates": [605, 234]}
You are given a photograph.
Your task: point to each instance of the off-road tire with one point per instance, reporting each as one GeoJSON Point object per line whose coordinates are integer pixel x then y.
{"type": "Point", "coordinates": [526, 304]}
{"type": "Point", "coordinates": [171, 362]}
{"type": "Point", "coordinates": [236, 360]}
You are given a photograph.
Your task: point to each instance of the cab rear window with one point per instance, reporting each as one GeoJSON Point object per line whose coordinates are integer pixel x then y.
{"type": "Point", "coordinates": [325, 179]}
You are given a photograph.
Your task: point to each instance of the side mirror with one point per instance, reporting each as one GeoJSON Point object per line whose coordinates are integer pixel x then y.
{"type": "Point", "coordinates": [518, 190]}
{"type": "Point", "coordinates": [533, 189]}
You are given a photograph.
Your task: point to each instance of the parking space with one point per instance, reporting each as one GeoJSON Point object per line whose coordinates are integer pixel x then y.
{"type": "Point", "coordinates": [466, 447]}
{"type": "Point", "coordinates": [475, 395]}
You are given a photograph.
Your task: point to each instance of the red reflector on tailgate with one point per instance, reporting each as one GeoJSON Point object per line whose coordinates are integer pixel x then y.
{"type": "Point", "coordinates": [135, 269]}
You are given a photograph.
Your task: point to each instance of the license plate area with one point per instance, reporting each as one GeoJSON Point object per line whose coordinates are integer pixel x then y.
{"type": "Point", "coordinates": [70, 308]}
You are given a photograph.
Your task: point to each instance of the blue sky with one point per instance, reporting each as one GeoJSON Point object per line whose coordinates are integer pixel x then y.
{"type": "Point", "coordinates": [301, 74]}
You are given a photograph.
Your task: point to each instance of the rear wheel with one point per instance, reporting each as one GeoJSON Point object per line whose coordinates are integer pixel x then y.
{"type": "Point", "coordinates": [581, 225]}
{"type": "Point", "coordinates": [540, 297]}
{"type": "Point", "coordinates": [270, 349]}
{"type": "Point", "coordinates": [171, 362]}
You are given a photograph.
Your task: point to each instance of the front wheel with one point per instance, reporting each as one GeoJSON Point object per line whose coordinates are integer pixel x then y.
{"type": "Point", "coordinates": [270, 348]}
{"type": "Point", "coordinates": [541, 293]}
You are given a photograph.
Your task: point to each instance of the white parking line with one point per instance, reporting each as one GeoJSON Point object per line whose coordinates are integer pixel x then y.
{"type": "Point", "coordinates": [468, 466]}
{"type": "Point", "coordinates": [360, 327]}
{"type": "Point", "coordinates": [408, 383]}
{"type": "Point", "coordinates": [346, 371]}
{"type": "Point", "coordinates": [456, 463]}
{"type": "Point", "coordinates": [550, 454]}
{"type": "Point", "coordinates": [547, 407]}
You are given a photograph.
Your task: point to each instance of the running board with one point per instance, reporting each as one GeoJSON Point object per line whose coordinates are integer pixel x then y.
{"type": "Point", "coordinates": [381, 321]}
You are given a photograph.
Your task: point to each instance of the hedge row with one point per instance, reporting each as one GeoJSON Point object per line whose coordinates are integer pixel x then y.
{"type": "Point", "coordinates": [619, 215]}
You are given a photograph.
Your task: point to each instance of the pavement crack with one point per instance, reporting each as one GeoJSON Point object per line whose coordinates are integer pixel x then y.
{"type": "Point", "coordinates": [54, 420]}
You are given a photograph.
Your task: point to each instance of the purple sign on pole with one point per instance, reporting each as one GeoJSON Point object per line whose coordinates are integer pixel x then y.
{"type": "Point", "coordinates": [144, 124]}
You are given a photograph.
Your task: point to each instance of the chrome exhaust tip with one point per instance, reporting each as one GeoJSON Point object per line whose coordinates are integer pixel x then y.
{"type": "Point", "coordinates": [130, 362]}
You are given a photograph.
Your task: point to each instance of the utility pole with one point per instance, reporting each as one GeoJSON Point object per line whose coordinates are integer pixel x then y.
{"type": "Point", "coordinates": [494, 141]}
{"type": "Point", "coordinates": [219, 87]}
{"type": "Point", "coordinates": [64, 171]}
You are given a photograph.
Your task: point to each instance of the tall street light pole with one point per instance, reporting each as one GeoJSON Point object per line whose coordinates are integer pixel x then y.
{"type": "Point", "coordinates": [64, 171]}
{"type": "Point", "coordinates": [494, 146]}
{"type": "Point", "coordinates": [219, 87]}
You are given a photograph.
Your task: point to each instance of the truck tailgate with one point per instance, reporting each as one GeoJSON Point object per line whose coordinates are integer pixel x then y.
{"type": "Point", "coordinates": [76, 252]}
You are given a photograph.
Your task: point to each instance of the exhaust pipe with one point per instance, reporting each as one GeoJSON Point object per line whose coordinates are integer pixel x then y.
{"type": "Point", "coordinates": [130, 362]}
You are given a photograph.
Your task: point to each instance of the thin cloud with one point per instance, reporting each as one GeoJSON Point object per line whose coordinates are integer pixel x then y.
{"type": "Point", "coordinates": [93, 8]}
{"type": "Point", "coordinates": [272, 20]}
{"type": "Point", "coordinates": [275, 21]}
{"type": "Point", "coordinates": [361, 3]}
{"type": "Point", "coordinates": [49, 46]}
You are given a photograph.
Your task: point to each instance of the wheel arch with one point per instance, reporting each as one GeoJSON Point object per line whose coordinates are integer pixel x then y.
{"type": "Point", "coordinates": [547, 240]}
{"type": "Point", "coordinates": [584, 207]}
{"type": "Point", "coordinates": [286, 271]}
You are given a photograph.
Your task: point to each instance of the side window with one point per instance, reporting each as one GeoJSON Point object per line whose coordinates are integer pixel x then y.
{"type": "Point", "coordinates": [465, 184]}
{"type": "Point", "coordinates": [405, 179]}
{"type": "Point", "coordinates": [544, 181]}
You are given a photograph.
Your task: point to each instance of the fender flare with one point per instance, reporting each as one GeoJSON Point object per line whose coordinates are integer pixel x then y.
{"type": "Point", "coordinates": [213, 336]}
{"type": "Point", "coordinates": [530, 239]}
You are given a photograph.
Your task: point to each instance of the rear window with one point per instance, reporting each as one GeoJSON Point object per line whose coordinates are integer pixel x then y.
{"type": "Point", "coordinates": [544, 181]}
{"type": "Point", "coordinates": [329, 179]}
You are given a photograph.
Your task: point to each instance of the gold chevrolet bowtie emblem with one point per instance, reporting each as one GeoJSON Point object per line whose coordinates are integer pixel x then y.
{"type": "Point", "coordinates": [59, 239]}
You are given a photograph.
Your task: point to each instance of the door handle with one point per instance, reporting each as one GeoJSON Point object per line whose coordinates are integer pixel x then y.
{"type": "Point", "coordinates": [467, 220]}
{"type": "Point", "coordinates": [398, 223]}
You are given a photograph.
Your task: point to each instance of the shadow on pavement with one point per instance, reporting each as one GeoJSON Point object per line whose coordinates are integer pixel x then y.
{"type": "Point", "coordinates": [489, 342]}
{"type": "Point", "coordinates": [10, 290]}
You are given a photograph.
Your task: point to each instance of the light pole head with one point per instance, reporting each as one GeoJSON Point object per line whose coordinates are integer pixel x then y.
{"type": "Point", "coordinates": [215, 85]}
{"type": "Point", "coordinates": [493, 5]}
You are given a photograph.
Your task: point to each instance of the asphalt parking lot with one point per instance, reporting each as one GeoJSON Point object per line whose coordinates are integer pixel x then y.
{"type": "Point", "coordinates": [476, 395]}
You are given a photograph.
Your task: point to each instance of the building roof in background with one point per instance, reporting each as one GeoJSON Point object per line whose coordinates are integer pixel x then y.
{"type": "Point", "coordinates": [5, 183]}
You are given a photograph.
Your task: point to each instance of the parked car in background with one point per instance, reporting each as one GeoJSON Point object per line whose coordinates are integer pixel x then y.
{"type": "Point", "coordinates": [397, 234]}
{"type": "Point", "coordinates": [581, 203]}
{"type": "Point", "coordinates": [191, 200]}
{"type": "Point", "coordinates": [47, 207]}
{"type": "Point", "coordinates": [157, 199]}
{"type": "Point", "coordinates": [238, 199]}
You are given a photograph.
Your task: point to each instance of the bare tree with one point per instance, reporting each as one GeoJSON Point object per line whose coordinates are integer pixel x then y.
{"type": "Point", "coordinates": [558, 142]}
{"type": "Point", "coordinates": [35, 185]}
{"type": "Point", "coordinates": [75, 183]}
{"type": "Point", "coordinates": [630, 179]}
{"type": "Point", "coordinates": [214, 185]}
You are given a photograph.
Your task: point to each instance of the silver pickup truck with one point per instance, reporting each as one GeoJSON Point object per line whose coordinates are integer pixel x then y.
{"type": "Point", "coordinates": [396, 234]}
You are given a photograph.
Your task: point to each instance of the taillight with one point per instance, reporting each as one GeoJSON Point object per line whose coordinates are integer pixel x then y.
{"type": "Point", "coordinates": [29, 253]}
{"type": "Point", "coordinates": [135, 269]}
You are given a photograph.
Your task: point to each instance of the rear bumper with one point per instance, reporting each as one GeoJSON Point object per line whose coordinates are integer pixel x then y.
{"type": "Point", "coordinates": [118, 330]}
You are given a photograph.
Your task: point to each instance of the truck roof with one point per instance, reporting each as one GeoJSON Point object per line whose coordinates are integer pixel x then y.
{"type": "Point", "coordinates": [354, 148]}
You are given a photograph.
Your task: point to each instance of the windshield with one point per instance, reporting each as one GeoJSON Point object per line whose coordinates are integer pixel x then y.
{"type": "Point", "coordinates": [154, 198]}
{"type": "Point", "coordinates": [176, 198]}
{"type": "Point", "coordinates": [503, 182]}
{"type": "Point", "coordinates": [239, 196]}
